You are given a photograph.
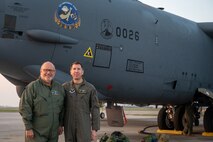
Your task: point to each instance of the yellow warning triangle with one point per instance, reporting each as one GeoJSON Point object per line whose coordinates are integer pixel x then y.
{"type": "Point", "coordinates": [88, 53]}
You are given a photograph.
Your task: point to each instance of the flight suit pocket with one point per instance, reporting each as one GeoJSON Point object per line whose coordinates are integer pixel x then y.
{"type": "Point", "coordinates": [85, 102]}
{"type": "Point", "coordinates": [58, 103]}
{"type": "Point", "coordinates": [40, 106]}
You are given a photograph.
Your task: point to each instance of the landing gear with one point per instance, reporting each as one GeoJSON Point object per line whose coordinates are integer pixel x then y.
{"type": "Point", "coordinates": [188, 120]}
{"type": "Point", "coordinates": [179, 118]}
{"type": "Point", "coordinates": [183, 120]}
{"type": "Point", "coordinates": [196, 122]}
{"type": "Point", "coordinates": [196, 113]}
{"type": "Point", "coordinates": [165, 118]}
{"type": "Point", "coordinates": [183, 117]}
{"type": "Point", "coordinates": [102, 115]}
{"type": "Point", "coordinates": [208, 119]}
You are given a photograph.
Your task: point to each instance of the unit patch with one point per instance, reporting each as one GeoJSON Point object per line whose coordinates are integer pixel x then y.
{"type": "Point", "coordinates": [54, 92]}
{"type": "Point", "coordinates": [88, 53]}
{"type": "Point", "coordinates": [67, 16]}
{"type": "Point", "coordinates": [106, 29]}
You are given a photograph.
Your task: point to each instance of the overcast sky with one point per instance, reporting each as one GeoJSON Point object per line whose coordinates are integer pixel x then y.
{"type": "Point", "coordinates": [195, 10]}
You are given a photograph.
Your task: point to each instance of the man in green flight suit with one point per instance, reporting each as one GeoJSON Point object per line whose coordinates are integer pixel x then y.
{"type": "Point", "coordinates": [41, 107]}
{"type": "Point", "coordinates": [81, 120]}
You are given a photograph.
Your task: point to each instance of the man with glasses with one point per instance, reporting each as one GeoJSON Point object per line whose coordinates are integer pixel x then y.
{"type": "Point", "coordinates": [41, 107]}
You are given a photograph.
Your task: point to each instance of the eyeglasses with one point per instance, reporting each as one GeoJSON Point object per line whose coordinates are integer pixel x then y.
{"type": "Point", "coordinates": [48, 70]}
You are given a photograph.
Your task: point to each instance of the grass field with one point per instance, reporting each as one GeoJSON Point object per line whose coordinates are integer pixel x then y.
{"type": "Point", "coordinates": [8, 109]}
{"type": "Point", "coordinates": [15, 109]}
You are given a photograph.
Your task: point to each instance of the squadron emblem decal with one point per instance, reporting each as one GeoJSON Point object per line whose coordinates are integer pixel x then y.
{"type": "Point", "coordinates": [67, 16]}
{"type": "Point", "coordinates": [106, 29]}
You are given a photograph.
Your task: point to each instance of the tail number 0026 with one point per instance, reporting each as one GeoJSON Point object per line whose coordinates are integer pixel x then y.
{"type": "Point", "coordinates": [127, 34]}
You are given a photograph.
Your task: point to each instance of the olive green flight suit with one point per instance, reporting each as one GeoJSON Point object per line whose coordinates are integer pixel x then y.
{"type": "Point", "coordinates": [42, 108]}
{"type": "Point", "coordinates": [81, 112]}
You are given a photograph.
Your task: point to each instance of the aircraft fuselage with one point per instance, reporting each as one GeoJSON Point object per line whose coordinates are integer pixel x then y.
{"type": "Point", "coordinates": [131, 52]}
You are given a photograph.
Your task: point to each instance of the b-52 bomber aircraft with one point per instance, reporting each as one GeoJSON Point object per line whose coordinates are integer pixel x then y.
{"type": "Point", "coordinates": [131, 52]}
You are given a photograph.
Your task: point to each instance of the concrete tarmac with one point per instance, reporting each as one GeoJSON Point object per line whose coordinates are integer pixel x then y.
{"type": "Point", "coordinates": [12, 129]}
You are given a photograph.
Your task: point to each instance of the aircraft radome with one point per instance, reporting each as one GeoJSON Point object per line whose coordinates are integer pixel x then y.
{"type": "Point", "coordinates": [131, 52]}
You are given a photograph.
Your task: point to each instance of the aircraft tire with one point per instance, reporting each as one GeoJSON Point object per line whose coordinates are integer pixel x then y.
{"type": "Point", "coordinates": [178, 118]}
{"type": "Point", "coordinates": [102, 115]}
{"type": "Point", "coordinates": [208, 120]}
{"type": "Point", "coordinates": [188, 120]}
{"type": "Point", "coordinates": [163, 122]}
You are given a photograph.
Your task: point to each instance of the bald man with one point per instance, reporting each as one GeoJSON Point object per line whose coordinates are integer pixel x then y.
{"type": "Point", "coordinates": [41, 107]}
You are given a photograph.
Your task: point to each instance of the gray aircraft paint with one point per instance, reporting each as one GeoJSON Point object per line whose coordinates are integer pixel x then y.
{"type": "Point", "coordinates": [146, 56]}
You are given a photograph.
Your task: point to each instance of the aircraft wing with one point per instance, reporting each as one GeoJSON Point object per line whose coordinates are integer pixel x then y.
{"type": "Point", "coordinates": [34, 71]}
{"type": "Point", "coordinates": [207, 27]}
{"type": "Point", "coordinates": [61, 77]}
